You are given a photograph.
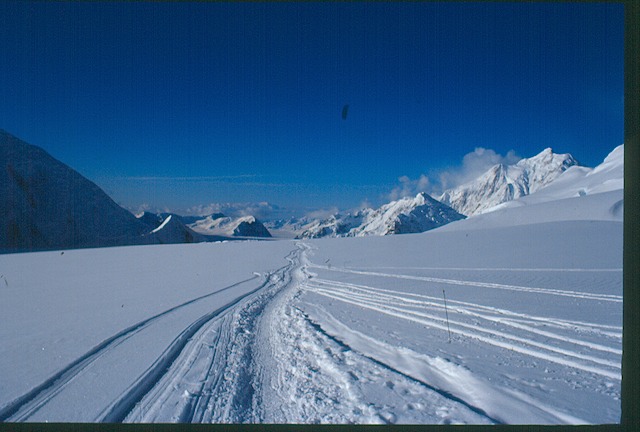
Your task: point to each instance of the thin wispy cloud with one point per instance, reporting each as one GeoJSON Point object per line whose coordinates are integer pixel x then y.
{"type": "Point", "coordinates": [248, 180]}
{"type": "Point", "coordinates": [189, 178]}
{"type": "Point", "coordinates": [322, 213]}
{"type": "Point", "coordinates": [261, 210]}
{"type": "Point", "coordinates": [474, 164]}
{"type": "Point", "coordinates": [408, 187]}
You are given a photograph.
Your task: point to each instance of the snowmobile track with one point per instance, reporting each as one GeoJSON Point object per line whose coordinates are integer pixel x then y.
{"type": "Point", "coordinates": [201, 374]}
{"type": "Point", "coordinates": [28, 404]}
{"type": "Point", "coordinates": [119, 410]}
{"type": "Point", "coordinates": [546, 291]}
{"type": "Point", "coordinates": [412, 307]}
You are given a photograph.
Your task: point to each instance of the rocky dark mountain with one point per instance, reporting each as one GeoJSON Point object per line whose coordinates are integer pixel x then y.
{"type": "Point", "coordinates": [48, 205]}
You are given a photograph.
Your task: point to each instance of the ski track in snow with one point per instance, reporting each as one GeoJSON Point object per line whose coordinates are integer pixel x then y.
{"type": "Point", "coordinates": [25, 406]}
{"type": "Point", "coordinates": [492, 269]}
{"type": "Point", "coordinates": [392, 305]}
{"type": "Point", "coordinates": [268, 356]}
{"type": "Point", "coordinates": [264, 360]}
{"type": "Point", "coordinates": [210, 380]}
{"type": "Point", "coordinates": [564, 293]}
{"type": "Point", "coordinates": [309, 376]}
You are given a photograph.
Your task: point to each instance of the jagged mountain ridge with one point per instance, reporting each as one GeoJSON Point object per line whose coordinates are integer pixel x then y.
{"type": "Point", "coordinates": [336, 225]}
{"type": "Point", "coordinates": [578, 194]}
{"type": "Point", "coordinates": [502, 183]}
{"type": "Point", "coordinates": [49, 205]}
{"type": "Point", "coordinates": [579, 181]}
{"type": "Point", "coordinates": [407, 215]}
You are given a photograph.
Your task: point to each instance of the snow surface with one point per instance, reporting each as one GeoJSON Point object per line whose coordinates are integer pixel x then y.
{"type": "Point", "coordinates": [330, 330]}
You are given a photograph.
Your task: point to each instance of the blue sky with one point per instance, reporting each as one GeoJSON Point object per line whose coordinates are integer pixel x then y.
{"type": "Point", "coordinates": [182, 106]}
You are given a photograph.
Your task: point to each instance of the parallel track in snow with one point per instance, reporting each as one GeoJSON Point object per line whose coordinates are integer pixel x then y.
{"type": "Point", "coordinates": [533, 290]}
{"type": "Point", "coordinates": [264, 360]}
{"type": "Point", "coordinates": [525, 337]}
{"type": "Point", "coordinates": [305, 374]}
{"type": "Point", "coordinates": [208, 377]}
{"type": "Point", "coordinates": [23, 407]}
{"type": "Point", "coordinates": [267, 356]}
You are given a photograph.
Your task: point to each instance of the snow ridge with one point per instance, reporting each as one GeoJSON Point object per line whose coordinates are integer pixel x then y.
{"type": "Point", "coordinates": [162, 225]}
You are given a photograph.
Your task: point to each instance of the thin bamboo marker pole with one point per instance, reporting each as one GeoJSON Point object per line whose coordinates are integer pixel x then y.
{"type": "Point", "coordinates": [446, 314]}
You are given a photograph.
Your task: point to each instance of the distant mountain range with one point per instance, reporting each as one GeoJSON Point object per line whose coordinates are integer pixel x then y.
{"type": "Point", "coordinates": [407, 215]}
{"type": "Point", "coordinates": [500, 184]}
{"type": "Point", "coordinates": [48, 205]}
{"type": "Point", "coordinates": [219, 224]}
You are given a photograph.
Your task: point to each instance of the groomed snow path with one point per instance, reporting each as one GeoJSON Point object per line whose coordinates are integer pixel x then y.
{"type": "Point", "coordinates": [265, 360]}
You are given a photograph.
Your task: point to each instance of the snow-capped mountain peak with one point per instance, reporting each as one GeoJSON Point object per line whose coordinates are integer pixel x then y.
{"type": "Point", "coordinates": [48, 205]}
{"type": "Point", "coordinates": [502, 183]}
{"type": "Point", "coordinates": [407, 215]}
{"type": "Point", "coordinates": [219, 224]}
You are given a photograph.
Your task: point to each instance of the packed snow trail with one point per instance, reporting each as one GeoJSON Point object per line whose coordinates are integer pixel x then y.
{"type": "Point", "coordinates": [265, 360]}
{"type": "Point", "coordinates": [210, 380]}
{"type": "Point", "coordinates": [26, 406]}
{"type": "Point", "coordinates": [57, 397]}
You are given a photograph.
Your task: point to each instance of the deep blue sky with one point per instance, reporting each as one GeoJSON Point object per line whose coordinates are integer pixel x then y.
{"type": "Point", "coordinates": [178, 105]}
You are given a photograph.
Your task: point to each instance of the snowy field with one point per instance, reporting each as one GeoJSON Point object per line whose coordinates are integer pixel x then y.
{"type": "Point", "coordinates": [346, 330]}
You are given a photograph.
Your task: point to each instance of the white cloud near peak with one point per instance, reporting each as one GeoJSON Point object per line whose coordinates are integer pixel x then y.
{"type": "Point", "coordinates": [473, 165]}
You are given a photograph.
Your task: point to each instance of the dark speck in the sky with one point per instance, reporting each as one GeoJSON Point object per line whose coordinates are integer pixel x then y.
{"type": "Point", "coordinates": [345, 110]}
